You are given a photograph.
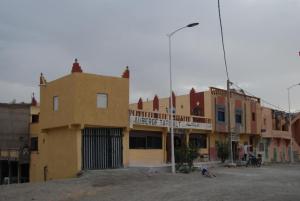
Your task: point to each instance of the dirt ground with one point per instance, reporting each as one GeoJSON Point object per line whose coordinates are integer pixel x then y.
{"type": "Point", "coordinates": [276, 183]}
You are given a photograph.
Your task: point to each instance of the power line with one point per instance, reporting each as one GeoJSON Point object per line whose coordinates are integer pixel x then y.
{"type": "Point", "coordinates": [263, 100]}
{"type": "Point", "coordinates": [221, 28]}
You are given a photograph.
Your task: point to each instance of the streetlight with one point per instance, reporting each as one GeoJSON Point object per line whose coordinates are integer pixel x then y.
{"type": "Point", "coordinates": [171, 97]}
{"type": "Point", "coordinates": [290, 120]}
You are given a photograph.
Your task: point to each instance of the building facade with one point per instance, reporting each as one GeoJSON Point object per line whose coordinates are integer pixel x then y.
{"type": "Point", "coordinates": [150, 120]}
{"type": "Point", "coordinates": [209, 109]}
{"type": "Point", "coordinates": [83, 124]}
{"type": "Point", "coordinates": [14, 142]}
{"type": "Point", "coordinates": [84, 121]}
{"type": "Point", "coordinates": [275, 142]}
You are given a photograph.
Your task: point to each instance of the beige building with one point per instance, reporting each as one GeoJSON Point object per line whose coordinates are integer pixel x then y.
{"type": "Point", "coordinates": [209, 110]}
{"type": "Point", "coordinates": [275, 141]}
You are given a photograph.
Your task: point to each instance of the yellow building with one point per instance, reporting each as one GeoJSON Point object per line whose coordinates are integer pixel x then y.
{"type": "Point", "coordinates": [83, 124]}
{"type": "Point", "coordinates": [149, 121]}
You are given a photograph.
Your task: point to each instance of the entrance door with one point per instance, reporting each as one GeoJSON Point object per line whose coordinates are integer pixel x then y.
{"type": "Point", "coordinates": [235, 151]}
{"type": "Point", "coordinates": [102, 148]}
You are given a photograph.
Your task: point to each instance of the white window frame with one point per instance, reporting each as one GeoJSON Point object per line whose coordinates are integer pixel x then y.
{"type": "Point", "coordinates": [55, 103]}
{"type": "Point", "coordinates": [102, 97]}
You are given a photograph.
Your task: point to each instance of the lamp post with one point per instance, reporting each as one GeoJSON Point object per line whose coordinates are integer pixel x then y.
{"type": "Point", "coordinates": [290, 120]}
{"type": "Point", "coordinates": [171, 90]}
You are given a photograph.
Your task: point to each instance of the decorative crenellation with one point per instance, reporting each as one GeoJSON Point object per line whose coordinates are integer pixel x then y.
{"type": "Point", "coordinates": [76, 68]}
{"type": "Point", "coordinates": [43, 80]}
{"type": "Point", "coordinates": [126, 73]}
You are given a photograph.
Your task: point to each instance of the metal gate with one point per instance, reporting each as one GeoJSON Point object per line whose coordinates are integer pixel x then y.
{"type": "Point", "coordinates": [102, 148]}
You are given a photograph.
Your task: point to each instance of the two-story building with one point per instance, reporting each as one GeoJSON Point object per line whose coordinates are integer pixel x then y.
{"type": "Point", "coordinates": [209, 110]}
{"type": "Point", "coordinates": [275, 142]}
{"type": "Point", "coordinates": [83, 124]}
{"type": "Point", "coordinates": [150, 122]}
{"type": "Point", "coordinates": [245, 118]}
{"type": "Point", "coordinates": [14, 142]}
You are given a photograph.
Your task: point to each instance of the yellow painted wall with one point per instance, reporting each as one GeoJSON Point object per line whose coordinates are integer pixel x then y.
{"type": "Point", "coordinates": [59, 132]}
{"type": "Point", "coordinates": [65, 90]}
{"type": "Point", "coordinates": [64, 153]}
{"type": "Point", "coordinates": [37, 160]}
{"type": "Point", "coordinates": [77, 94]}
{"type": "Point", "coordinates": [146, 157]}
{"type": "Point", "coordinates": [141, 157]}
{"type": "Point", "coordinates": [60, 151]}
{"type": "Point", "coordinates": [182, 105]}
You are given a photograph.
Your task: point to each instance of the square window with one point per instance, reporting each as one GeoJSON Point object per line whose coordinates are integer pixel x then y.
{"type": "Point", "coordinates": [35, 118]}
{"type": "Point", "coordinates": [101, 100]}
{"type": "Point", "coordinates": [55, 103]}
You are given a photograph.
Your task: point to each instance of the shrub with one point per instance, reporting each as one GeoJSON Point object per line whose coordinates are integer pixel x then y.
{"type": "Point", "coordinates": [184, 158]}
{"type": "Point", "coordinates": [222, 150]}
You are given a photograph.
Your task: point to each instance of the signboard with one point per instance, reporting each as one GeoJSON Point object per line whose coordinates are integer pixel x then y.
{"type": "Point", "coordinates": [235, 133]}
{"type": "Point", "coordinates": [147, 121]}
{"type": "Point", "coordinates": [235, 137]}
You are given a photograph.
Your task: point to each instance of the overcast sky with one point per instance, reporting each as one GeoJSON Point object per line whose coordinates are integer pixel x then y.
{"type": "Point", "coordinates": [262, 39]}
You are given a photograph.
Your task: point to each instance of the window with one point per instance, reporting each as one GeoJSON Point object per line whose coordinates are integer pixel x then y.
{"type": "Point", "coordinates": [34, 143]}
{"type": "Point", "coordinates": [35, 118]}
{"type": "Point", "coordinates": [153, 142]}
{"type": "Point", "coordinates": [55, 103]}
{"type": "Point", "coordinates": [238, 117]}
{"type": "Point", "coordinates": [198, 140]}
{"type": "Point", "coordinates": [253, 116]}
{"type": "Point", "coordinates": [145, 140]}
{"type": "Point", "coordinates": [265, 121]}
{"type": "Point", "coordinates": [137, 142]}
{"type": "Point", "coordinates": [221, 114]}
{"type": "Point", "coordinates": [101, 100]}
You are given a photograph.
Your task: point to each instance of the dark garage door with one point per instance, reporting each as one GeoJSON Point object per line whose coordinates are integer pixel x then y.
{"type": "Point", "coordinates": [102, 148]}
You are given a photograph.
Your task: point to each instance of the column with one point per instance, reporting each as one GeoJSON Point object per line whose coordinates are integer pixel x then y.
{"type": "Point", "coordinates": [19, 172]}
{"type": "Point", "coordinates": [0, 172]}
{"type": "Point", "coordinates": [9, 171]}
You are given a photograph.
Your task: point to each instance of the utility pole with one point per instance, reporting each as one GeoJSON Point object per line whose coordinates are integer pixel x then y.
{"type": "Point", "coordinates": [228, 121]}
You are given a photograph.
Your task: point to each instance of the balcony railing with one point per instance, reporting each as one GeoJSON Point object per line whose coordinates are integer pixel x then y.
{"type": "Point", "coordinates": [163, 120]}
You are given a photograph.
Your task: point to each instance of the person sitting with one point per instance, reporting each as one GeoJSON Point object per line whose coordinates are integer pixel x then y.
{"type": "Point", "coordinates": [206, 172]}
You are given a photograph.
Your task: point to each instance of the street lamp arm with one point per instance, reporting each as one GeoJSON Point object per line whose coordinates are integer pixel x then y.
{"type": "Point", "coordinates": [187, 26]}
{"type": "Point", "coordinates": [172, 33]}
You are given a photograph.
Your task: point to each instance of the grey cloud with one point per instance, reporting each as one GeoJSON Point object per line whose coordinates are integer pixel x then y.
{"type": "Point", "coordinates": [261, 39]}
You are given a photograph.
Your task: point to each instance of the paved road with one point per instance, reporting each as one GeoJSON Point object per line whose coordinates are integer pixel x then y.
{"type": "Point", "coordinates": [276, 183]}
